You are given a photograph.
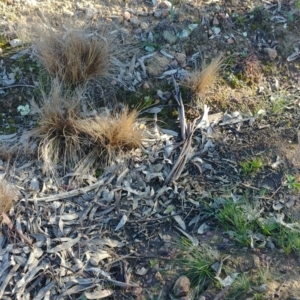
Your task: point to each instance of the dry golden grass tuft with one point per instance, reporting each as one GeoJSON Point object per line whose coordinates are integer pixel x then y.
{"type": "Point", "coordinates": [76, 56]}
{"type": "Point", "coordinates": [70, 139]}
{"type": "Point", "coordinates": [115, 133]}
{"type": "Point", "coordinates": [8, 194]}
{"type": "Point", "coordinates": [60, 139]}
{"type": "Point", "coordinates": [200, 81]}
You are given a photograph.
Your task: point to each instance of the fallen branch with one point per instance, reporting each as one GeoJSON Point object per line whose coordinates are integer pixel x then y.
{"type": "Point", "coordinates": [17, 85]}
{"type": "Point", "coordinates": [70, 194]}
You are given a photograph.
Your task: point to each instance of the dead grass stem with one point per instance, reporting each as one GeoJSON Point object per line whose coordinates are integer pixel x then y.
{"type": "Point", "coordinates": [8, 194]}
{"type": "Point", "coordinates": [200, 81]}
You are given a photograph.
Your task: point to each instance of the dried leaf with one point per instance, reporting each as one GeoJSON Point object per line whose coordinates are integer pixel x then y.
{"type": "Point", "coordinates": [121, 223]}
{"type": "Point", "coordinates": [179, 220]}
{"type": "Point", "coordinates": [66, 245]}
{"type": "Point", "coordinates": [203, 228]}
{"type": "Point", "coordinates": [98, 294]}
{"type": "Point", "coordinates": [194, 241]}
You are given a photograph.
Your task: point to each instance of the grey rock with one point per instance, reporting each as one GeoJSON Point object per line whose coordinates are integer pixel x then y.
{"type": "Point", "coordinates": [169, 37]}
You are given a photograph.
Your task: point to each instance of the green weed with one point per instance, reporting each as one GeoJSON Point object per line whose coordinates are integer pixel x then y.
{"type": "Point", "coordinates": [238, 220]}
{"type": "Point", "coordinates": [245, 285]}
{"type": "Point", "coordinates": [172, 11]}
{"type": "Point", "coordinates": [278, 106]}
{"type": "Point", "coordinates": [251, 166]}
{"type": "Point", "coordinates": [291, 183]}
{"type": "Point", "coordinates": [196, 263]}
{"type": "Point", "coordinates": [288, 240]}
{"type": "Point", "coordinates": [153, 262]}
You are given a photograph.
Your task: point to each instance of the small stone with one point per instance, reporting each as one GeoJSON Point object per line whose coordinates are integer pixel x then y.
{"type": "Point", "coordinates": [181, 287]}
{"type": "Point", "coordinates": [223, 16]}
{"type": "Point", "coordinates": [1, 51]}
{"type": "Point", "coordinates": [157, 14]}
{"type": "Point", "coordinates": [261, 289]}
{"type": "Point", "coordinates": [137, 31]}
{"type": "Point", "coordinates": [34, 184]}
{"type": "Point", "coordinates": [144, 25]}
{"type": "Point", "coordinates": [156, 65]}
{"type": "Point", "coordinates": [272, 53]}
{"type": "Point", "coordinates": [215, 21]}
{"type": "Point", "coordinates": [165, 5]}
{"type": "Point", "coordinates": [181, 58]}
{"type": "Point", "coordinates": [126, 15]}
{"type": "Point", "coordinates": [169, 36]}
{"type": "Point", "coordinates": [15, 43]}
{"type": "Point", "coordinates": [256, 261]}
{"type": "Point", "coordinates": [136, 291]}
{"type": "Point", "coordinates": [230, 41]}
{"type": "Point", "coordinates": [146, 86]}
{"type": "Point", "coordinates": [135, 21]}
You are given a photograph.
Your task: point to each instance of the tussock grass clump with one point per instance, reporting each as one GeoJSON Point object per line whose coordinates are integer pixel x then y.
{"type": "Point", "coordinates": [57, 130]}
{"type": "Point", "coordinates": [69, 137]}
{"type": "Point", "coordinates": [8, 193]}
{"type": "Point", "coordinates": [200, 81]}
{"type": "Point", "coordinates": [115, 133]}
{"type": "Point", "coordinates": [76, 56]}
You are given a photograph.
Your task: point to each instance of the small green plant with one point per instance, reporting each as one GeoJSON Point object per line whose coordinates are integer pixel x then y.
{"type": "Point", "coordinates": [151, 45]}
{"type": "Point", "coordinates": [291, 183]}
{"type": "Point", "coordinates": [241, 286]}
{"type": "Point", "coordinates": [288, 240]}
{"type": "Point", "coordinates": [172, 11]}
{"type": "Point", "coordinates": [151, 296]}
{"type": "Point", "coordinates": [239, 220]}
{"type": "Point", "coordinates": [251, 166]}
{"type": "Point", "coordinates": [153, 262]}
{"type": "Point", "coordinates": [297, 5]}
{"type": "Point", "coordinates": [147, 101]}
{"type": "Point", "coordinates": [240, 20]}
{"type": "Point", "coordinates": [98, 173]}
{"type": "Point", "coordinates": [269, 226]}
{"type": "Point", "coordinates": [196, 263]}
{"type": "Point", "coordinates": [278, 106]}
{"type": "Point", "coordinates": [245, 285]}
